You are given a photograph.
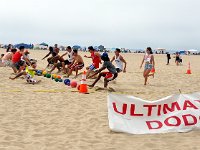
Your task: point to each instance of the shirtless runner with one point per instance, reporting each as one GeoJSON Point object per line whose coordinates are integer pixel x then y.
{"type": "Point", "coordinates": [76, 65]}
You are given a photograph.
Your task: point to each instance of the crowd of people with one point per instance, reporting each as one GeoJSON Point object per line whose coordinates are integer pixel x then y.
{"type": "Point", "coordinates": [22, 65]}
{"type": "Point", "coordinates": [69, 62]}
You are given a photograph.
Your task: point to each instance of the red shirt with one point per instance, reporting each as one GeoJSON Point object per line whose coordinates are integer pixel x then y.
{"type": "Point", "coordinates": [96, 60]}
{"type": "Point", "coordinates": [16, 57]}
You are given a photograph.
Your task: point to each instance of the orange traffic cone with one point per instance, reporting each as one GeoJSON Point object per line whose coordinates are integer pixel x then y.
{"type": "Point", "coordinates": [83, 86]}
{"type": "Point", "coordinates": [189, 70]}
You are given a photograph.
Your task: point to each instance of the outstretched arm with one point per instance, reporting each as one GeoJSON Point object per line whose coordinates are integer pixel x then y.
{"type": "Point", "coordinates": [102, 68]}
{"type": "Point", "coordinates": [87, 56]}
{"type": "Point", "coordinates": [64, 54]}
{"type": "Point", "coordinates": [46, 55]}
{"type": "Point", "coordinates": [142, 63]}
{"type": "Point", "coordinates": [18, 75]}
{"type": "Point", "coordinates": [113, 59]}
{"type": "Point", "coordinates": [153, 61]}
{"type": "Point", "coordinates": [27, 60]}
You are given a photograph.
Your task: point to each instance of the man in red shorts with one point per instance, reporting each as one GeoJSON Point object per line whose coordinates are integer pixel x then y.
{"type": "Point", "coordinates": [108, 76]}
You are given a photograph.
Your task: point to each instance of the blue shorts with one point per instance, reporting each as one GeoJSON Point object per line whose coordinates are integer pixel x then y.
{"type": "Point", "coordinates": [148, 66]}
{"type": "Point", "coordinates": [92, 67]}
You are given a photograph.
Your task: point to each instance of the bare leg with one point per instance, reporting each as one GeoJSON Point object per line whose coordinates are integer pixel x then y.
{"type": "Point", "coordinates": [146, 73]}
{"type": "Point", "coordinates": [64, 69]}
{"type": "Point", "coordinates": [54, 67]}
{"type": "Point", "coordinates": [76, 69]}
{"type": "Point", "coordinates": [18, 75]}
{"type": "Point", "coordinates": [97, 79]}
{"type": "Point", "coordinates": [88, 73]}
{"type": "Point", "coordinates": [106, 80]}
{"type": "Point", "coordinates": [105, 83]}
{"type": "Point", "coordinates": [14, 69]}
{"type": "Point", "coordinates": [70, 72]}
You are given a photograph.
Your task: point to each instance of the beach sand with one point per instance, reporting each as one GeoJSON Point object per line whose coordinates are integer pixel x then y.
{"type": "Point", "coordinates": [52, 116]}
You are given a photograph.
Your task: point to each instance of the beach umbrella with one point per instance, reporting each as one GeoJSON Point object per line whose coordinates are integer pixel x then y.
{"type": "Point", "coordinates": [101, 48]}
{"type": "Point", "coordinates": [76, 47]}
{"type": "Point", "coordinates": [44, 44]}
{"type": "Point", "coordinates": [27, 46]}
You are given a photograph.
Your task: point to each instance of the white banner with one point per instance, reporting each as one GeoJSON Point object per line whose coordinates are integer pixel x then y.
{"type": "Point", "coordinates": [176, 113]}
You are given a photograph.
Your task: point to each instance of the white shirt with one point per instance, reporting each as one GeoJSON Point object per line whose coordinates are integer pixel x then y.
{"type": "Point", "coordinates": [119, 63]}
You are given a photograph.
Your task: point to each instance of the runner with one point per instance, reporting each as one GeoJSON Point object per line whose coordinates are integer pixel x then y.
{"type": "Point", "coordinates": [119, 60]}
{"type": "Point", "coordinates": [96, 60]}
{"type": "Point", "coordinates": [149, 64]}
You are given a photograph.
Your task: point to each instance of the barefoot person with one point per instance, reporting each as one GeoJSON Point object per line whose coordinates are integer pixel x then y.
{"type": "Point", "coordinates": [108, 76]}
{"type": "Point", "coordinates": [65, 62]}
{"type": "Point", "coordinates": [77, 63]}
{"type": "Point", "coordinates": [54, 56]}
{"type": "Point", "coordinates": [96, 60]}
{"type": "Point", "coordinates": [168, 58]}
{"type": "Point", "coordinates": [17, 58]}
{"type": "Point", "coordinates": [1, 64]}
{"type": "Point", "coordinates": [28, 73]}
{"type": "Point", "coordinates": [149, 64]}
{"type": "Point", "coordinates": [119, 60]}
{"type": "Point", "coordinates": [177, 58]}
{"type": "Point", "coordinates": [7, 59]}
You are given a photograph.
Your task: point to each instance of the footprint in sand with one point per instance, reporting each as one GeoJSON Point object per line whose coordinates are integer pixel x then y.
{"type": "Point", "coordinates": [104, 89]}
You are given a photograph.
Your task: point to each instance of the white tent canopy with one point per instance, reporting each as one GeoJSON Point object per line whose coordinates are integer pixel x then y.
{"type": "Point", "coordinates": [192, 50]}
{"type": "Point", "coordinates": [160, 49]}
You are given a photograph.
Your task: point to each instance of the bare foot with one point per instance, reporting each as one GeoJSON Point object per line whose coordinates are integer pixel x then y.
{"type": "Point", "coordinates": [91, 86]}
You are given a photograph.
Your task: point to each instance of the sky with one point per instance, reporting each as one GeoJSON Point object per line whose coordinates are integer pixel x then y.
{"type": "Point", "coordinates": [170, 24]}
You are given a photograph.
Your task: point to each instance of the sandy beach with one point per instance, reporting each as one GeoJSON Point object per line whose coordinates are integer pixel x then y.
{"type": "Point", "coordinates": [52, 116]}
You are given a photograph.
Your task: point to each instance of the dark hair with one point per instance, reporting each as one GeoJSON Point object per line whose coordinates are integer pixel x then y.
{"type": "Point", "coordinates": [21, 48]}
{"type": "Point", "coordinates": [75, 51]}
{"type": "Point", "coordinates": [69, 47]}
{"type": "Point", "coordinates": [117, 49]}
{"type": "Point", "coordinates": [51, 49]}
{"type": "Point", "coordinates": [91, 48]}
{"type": "Point", "coordinates": [13, 50]}
{"type": "Point", "coordinates": [105, 58]}
{"type": "Point", "coordinates": [33, 62]}
{"type": "Point", "coordinates": [149, 48]}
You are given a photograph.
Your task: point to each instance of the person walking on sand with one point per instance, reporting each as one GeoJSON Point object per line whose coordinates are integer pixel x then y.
{"type": "Point", "coordinates": [177, 58]}
{"type": "Point", "coordinates": [149, 64]}
{"type": "Point", "coordinates": [168, 58]}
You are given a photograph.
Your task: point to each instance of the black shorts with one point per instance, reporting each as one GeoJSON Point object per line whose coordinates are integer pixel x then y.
{"type": "Point", "coordinates": [19, 64]}
{"type": "Point", "coordinates": [67, 62]}
{"type": "Point", "coordinates": [118, 70]}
